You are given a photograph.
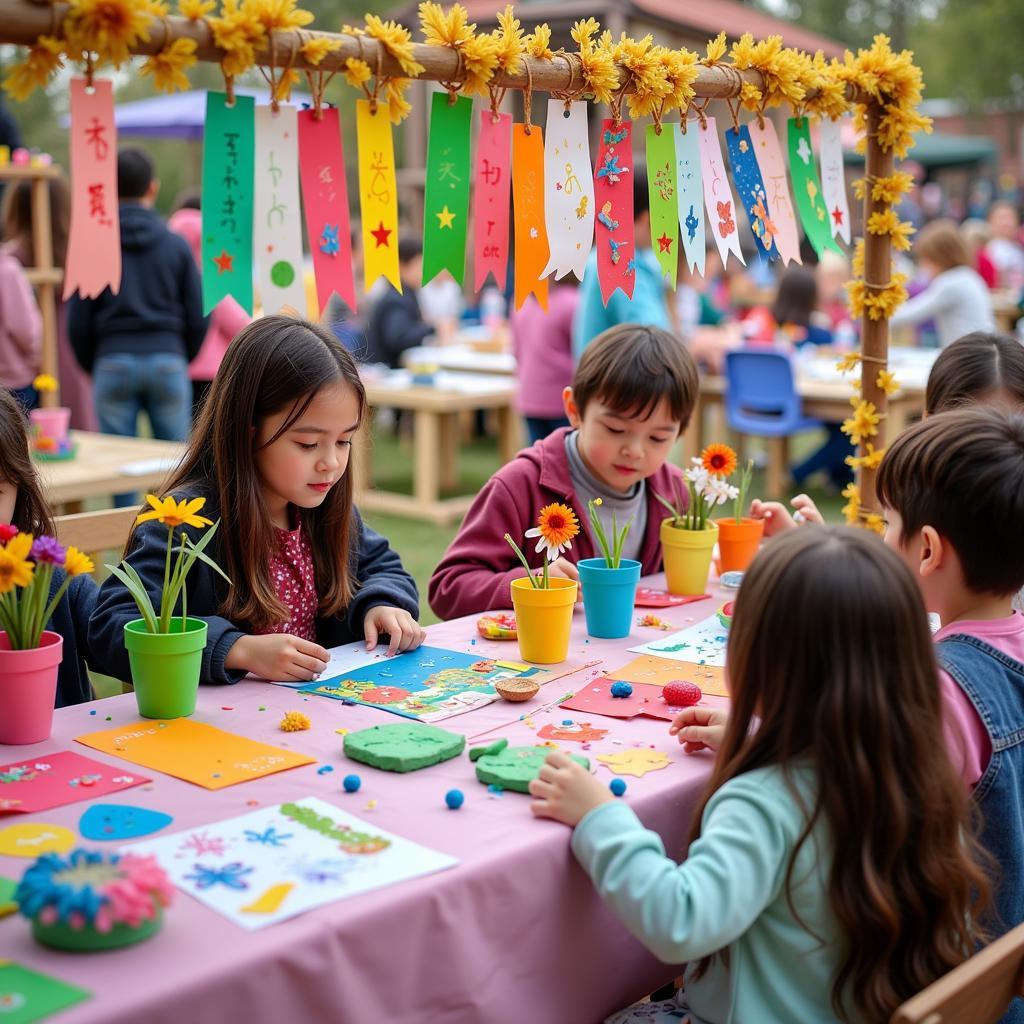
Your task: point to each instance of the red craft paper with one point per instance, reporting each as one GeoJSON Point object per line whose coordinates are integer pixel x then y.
{"type": "Point", "coordinates": [596, 699]}
{"type": "Point", "coordinates": [94, 239]}
{"type": "Point", "coordinates": [614, 233]}
{"type": "Point", "coordinates": [47, 781]}
{"type": "Point", "coordinates": [492, 181]}
{"type": "Point", "coordinates": [646, 597]}
{"type": "Point", "coordinates": [325, 201]}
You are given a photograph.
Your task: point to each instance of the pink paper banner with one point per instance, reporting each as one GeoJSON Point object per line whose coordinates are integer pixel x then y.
{"type": "Point", "coordinates": [718, 197]}
{"type": "Point", "coordinates": [94, 240]}
{"type": "Point", "coordinates": [773, 172]}
{"type": "Point", "coordinates": [613, 205]}
{"type": "Point", "coordinates": [325, 201]}
{"type": "Point", "coordinates": [492, 181]}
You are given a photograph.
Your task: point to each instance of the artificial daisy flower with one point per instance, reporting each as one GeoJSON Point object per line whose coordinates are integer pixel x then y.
{"type": "Point", "coordinates": [556, 526]}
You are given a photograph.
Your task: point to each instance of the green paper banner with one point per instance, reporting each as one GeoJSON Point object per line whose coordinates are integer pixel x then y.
{"type": "Point", "coordinates": [446, 204]}
{"type": "Point", "coordinates": [228, 163]}
{"type": "Point", "coordinates": [807, 187]}
{"type": "Point", "coordinates": [661, 187]}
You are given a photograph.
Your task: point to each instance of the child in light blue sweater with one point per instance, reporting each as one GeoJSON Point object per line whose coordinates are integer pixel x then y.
{"type": "Point", "coordinates": [832, 872]}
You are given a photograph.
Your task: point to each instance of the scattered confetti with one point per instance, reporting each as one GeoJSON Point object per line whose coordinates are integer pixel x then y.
{"type": "Point", "coordinates": [326, 769]}
{"type": "Point", "coordinates": [494, 790]}
{"type": "Point", "coordinates": [262, 707]}
{"type": "Point", "coordinates": [454, 798]}
{"type": "Point", "coordinates": [109, 719]}
{"type": "Point", "coordinates": [294, 721]}
{"type": "Point", "coordinates": [226, 707]}
{"type": "Point", "coordinates": [653, 622]}
{"type": "Point", "coordinates": [341, 732]}
{"type": "Point", "coordinates": [371, 805]}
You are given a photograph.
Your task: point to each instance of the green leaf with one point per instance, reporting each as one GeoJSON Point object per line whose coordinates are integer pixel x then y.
{"type": "Point", "coordinates": [130, 578]}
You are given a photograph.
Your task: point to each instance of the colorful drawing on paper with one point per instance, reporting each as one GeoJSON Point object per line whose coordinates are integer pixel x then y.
{"type": "Point", "coordinates": [194, 751]}
{"type": "Point", "coordinates": [658, 671]}
{"type": "Point", "coordinates": [703, 643]}
{"type": "Point", "coordinates": [429, 684]}
{"type": "Point", "coordinates": [27, 996]}
{"type": "Point", "coordinates": [53, 780]}
{"type": "Point", "coordinates": [276, 862]}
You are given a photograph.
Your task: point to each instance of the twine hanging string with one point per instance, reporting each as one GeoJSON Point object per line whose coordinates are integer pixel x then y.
{"type": "Point", "coordinates": [576, 85]}
{"type": "Point", "coordinates": [732, 102]}
{"type": "Point", "coordinates": [528, 101]}
{"type": "Point", "coordinates": [272, 78]}
{"type": "Point", "coordinates": [454, 84]}
{"type": "Point", "coordinates": [617, 98]}
{"type": "Point", "coordinates": [318, 81]}
{"type": "Point", "coordinates": [701, 110]}
{"type": "Point", "coordinates": [497, 95]}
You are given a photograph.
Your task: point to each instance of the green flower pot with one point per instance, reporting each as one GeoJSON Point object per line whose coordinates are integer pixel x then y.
{"type": "Point", "coordinates": [166, 667]}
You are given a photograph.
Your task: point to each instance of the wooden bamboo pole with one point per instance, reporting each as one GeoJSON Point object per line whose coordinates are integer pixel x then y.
{"type": "Point", "coordinates": [877, 272]}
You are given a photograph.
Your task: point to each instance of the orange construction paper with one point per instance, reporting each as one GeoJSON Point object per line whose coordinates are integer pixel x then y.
{"type": "Point", "coordinates": [656, 671]}
{"type": "Point", "coordinates": [194, 751]}
{"type": "Point", "coordinates": [531, 250]}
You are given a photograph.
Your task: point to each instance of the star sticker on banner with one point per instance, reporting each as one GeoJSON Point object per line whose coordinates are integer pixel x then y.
{"type": "Point", "coordinates": [665, 243]}
{"type": "Point", "coordinates": [804, 151]}
{"type": "Point", "coordinates": [445, 217]}
{"type": "Point", "coordinates": [837, 217]}
{"type": "Point", "coordinates": [382, 234]}
{"type": "Point", "coordinates": [225, 262]}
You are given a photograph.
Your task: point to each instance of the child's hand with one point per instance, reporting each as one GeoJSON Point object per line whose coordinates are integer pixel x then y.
{"type": "Point", "coordinates": [566, 791]}
{"type": "Point", "coordinates": [699, 728]}
{"type": "Point", "coordinates": [278, 656]}
{"type": "Point", "coordinates": [404, 631]}
{"type": "Point", "coordinates": [777, 518]}
{"type": "Point", "coordinates": [807, 511]}
{"type": "Point", "coordinates": [566, 570]}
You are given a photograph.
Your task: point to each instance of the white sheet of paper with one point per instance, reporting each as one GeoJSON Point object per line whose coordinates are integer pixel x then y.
{"type": "Point", "coordinates": [703, 643]}
{"type": "Point", "coordinates": [342, 659]}
{"type": "Point", "coordinates": [277, 867]}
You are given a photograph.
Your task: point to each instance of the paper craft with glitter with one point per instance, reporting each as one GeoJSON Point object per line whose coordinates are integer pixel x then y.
{"type": "Point", "coordinates": [274, 863]}
{"type": "Point", "coordinates": [703, 643]}
{"type": "Point", "coordinates": [428, 684]}
{"type": "Point", "coordinates": [62, 777]}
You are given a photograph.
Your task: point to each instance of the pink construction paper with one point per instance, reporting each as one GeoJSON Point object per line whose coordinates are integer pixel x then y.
{"type": "Point", "coordinates": [647, 598]}
{"type": "Point", "coordinates": [492, 181]}
{"type": "Point", "coordinates": [53, 780]}
{"type": "Point", "coordinates": [718, 198]}
{"type": "Point", "coordinates": [773, 172]}
{"type": "Point", "coordinates": [325, 202]}
{"type": "Point", "coordinates": [94, 240]}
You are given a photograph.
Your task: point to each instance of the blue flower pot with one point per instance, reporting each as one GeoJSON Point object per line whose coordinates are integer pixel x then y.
{"type": "Point", "coordinates": [609, 596]}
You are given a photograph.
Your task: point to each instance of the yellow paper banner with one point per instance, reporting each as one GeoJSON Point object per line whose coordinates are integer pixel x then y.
{"type": "Point", "coordinates": [378, 194]}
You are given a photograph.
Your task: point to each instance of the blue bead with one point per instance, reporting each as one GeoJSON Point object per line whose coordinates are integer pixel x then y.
{"type": "Point", "coordinates": [621, 689]}
{"type": "Point", "coordinates": [617, 786]}
{"type": "Point", "coordinates": [351, 783]}
{"type": "Point", "coordinates": [454, 798]}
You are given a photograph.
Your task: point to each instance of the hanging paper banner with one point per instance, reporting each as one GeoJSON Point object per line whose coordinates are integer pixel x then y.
{"type": "Point", "coordinates": [750, 189]}
{"type": "Point", "coordinates": [833, 178]}
{"type": "Point", "coordinates": [613, 202]}
{"type": "Point", "coordinates": [532, 252]}
{"type": "Point", "coordinates": [446, 200]}
{"type": "Point", "coordinates": [277, 220]}
{"type": "Point", "coordinates": [378, 194]}
{"type": "Point", "coordinates": [772, 165]}
{"type": "Point", "coordinates": [228, 161]}
{"type": "Point", "coordinates": [492, 184]}
{"type": "Point", "coordinates": [813, 214]}
{"type": "Point", "coordinates": [690, 196]}
{"type": "Point", "coordinates": [718, 200]}
{"type": "Point", "coordinates": [661, 188]}
{"type": "Point", "coordinates": [568, 190]}
{"type": "Point", "coordinates": [94, 241]}
{"type": "Point", "coordinates": [325, 201]}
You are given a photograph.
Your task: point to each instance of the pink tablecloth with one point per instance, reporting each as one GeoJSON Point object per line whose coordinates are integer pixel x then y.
{"type": "Point", "coordinates": [514, 933]}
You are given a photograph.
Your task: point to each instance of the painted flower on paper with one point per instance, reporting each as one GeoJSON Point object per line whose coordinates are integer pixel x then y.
{"type": "Point", "coordinates": [556, 526]}
{"type": "Point", "coordinates": [230, 875]}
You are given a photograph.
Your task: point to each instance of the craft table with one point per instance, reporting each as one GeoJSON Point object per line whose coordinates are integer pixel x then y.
{"type": "Point", "coordinates": [106, 465]}
{"type": "Point", "coordinates": [514, 933]}
{"type": "Point", "coordinates": [461, 358]}
{"type": "Point", "coordinates": [435, 410]}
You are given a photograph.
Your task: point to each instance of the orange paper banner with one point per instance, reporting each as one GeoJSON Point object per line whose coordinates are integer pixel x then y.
{"type": "Point", "coordinates": [94, 241]}
{"type": "Point", "coordinates": [532, 250]}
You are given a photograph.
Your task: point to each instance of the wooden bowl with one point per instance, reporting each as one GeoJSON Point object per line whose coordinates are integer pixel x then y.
{"type": "Point", "coordinates": [516, 689]}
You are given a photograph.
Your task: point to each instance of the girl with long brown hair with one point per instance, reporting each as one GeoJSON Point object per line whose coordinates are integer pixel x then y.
{"type": "Point", "coordinates": [269, 453]}
{"type": "Point", "coordinates": [23, 506]}
{"type": "Point", "coordinates": [831, 872]}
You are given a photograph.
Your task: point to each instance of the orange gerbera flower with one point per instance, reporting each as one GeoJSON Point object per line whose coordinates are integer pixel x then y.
{"type": "Point", "coordinates": [556, 526]}
{"type": "Point", "coordinates": [718, 459]}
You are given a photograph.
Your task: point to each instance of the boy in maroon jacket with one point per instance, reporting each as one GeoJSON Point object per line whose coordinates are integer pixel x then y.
{"type": "Point", "coordinates": [631, 397]}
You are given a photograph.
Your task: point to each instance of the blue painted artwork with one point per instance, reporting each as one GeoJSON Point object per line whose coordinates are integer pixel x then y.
{"type": "Point", "coordinates": [751, 191]}
{"type": "Point", "coordinates": [120, 821]}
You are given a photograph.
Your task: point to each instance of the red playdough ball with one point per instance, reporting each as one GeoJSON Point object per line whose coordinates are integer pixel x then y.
{"type": "Point", "coordinates": [681, 694]}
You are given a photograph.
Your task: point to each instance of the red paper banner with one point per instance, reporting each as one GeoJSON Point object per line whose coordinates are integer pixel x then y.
{"type": "Point", "coordinates": [94, 240]}
{"type": "Point", "coordinates": [492, 180]}
{"type": "Point", "coordinates": [325, 201]}
{"type": "Point", "coordinates": [613, 202]}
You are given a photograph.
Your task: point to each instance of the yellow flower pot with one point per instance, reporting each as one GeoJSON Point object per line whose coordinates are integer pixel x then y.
{"type": "Point", "coordinates": [544, 619]}
{"type": "Point", "coordinates": [687, 555]}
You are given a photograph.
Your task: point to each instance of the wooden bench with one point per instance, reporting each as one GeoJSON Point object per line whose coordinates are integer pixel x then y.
{"type": "Point", "coordinates": [979, 990]}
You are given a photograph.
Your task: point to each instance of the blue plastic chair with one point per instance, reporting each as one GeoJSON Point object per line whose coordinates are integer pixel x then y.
{"type": "Point", "coordinates": [761, 397]}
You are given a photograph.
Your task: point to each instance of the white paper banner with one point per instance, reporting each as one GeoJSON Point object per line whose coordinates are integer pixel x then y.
{"type": "Point", "coordinates": [690, 196]}
{"type": "Point", "coordinates": [718, 197]}
{"type": "Point", "coordinates": [568, 189]}
{"type": "Point", "coordinates": [776, 184]}
{"type": "Point", "coordinates": [277, 216]}
{"type": "Point", "coordinates": [833, 180]}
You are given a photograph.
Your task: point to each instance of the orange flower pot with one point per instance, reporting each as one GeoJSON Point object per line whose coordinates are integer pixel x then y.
{"type": "Point", "coordinates": [738, 542]}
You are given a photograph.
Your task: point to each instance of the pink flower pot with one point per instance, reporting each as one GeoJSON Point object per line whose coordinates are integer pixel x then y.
{"type": "Point", "coordinates": [28, 685]}
{"type": "Point", "coordinates": [51, 423]}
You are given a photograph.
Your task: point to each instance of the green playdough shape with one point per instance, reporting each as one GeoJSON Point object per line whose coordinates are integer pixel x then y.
{"type": "Point", "coordinates": [403, 748]}
{"type": "Point", "coordinates": [512, 767]}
